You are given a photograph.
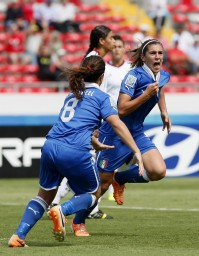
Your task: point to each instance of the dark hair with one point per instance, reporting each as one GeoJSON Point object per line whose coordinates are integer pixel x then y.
{"type": "Point", "coordinates": [137, 53]}
{"type": "Point", "coordinates": [90, 70]}
{"type": "Point", "coordinates": [97, 32]}
{"type": "Point", "coordinates": [118, 37]}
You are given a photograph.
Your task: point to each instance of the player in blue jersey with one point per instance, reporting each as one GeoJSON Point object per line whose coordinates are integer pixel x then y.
{"type": "Point", "coordinates": [66, 152]}
{"type": "Point", "coordinates": [141, 89]}
{"type": "Point", "coordinates": [101, 42]}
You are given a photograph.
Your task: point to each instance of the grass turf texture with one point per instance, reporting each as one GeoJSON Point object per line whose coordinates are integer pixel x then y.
{"type": "Point", "coordinates": [157, 219]}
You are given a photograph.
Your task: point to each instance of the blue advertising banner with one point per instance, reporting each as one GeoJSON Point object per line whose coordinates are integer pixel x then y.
{"type": "Point", "coordinates": [180, 149]}
{"type": "Point", "coordinates": [26, 118]}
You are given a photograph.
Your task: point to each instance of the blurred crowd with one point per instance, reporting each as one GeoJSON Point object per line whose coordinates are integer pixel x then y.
{"type": "Point", "coordinates": [35, 28]}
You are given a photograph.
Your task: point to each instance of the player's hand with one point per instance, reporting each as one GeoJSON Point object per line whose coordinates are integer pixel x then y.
{"type": "Point", "coordinates": [152, 89]}
{"type": "Point", "coordinates": [98, 146]}
{"type": "Point", "coordinates": [137, 159]}
{"type": "Point", "coordinates": [166, 123]}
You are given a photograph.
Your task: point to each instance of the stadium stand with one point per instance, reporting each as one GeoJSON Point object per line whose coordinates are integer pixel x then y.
{"type": "Point", "coordinates": [122, 16]}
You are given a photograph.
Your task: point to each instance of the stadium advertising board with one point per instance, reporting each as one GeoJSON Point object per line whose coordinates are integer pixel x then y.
{"type": "Point", "coordinates": [24, 124]}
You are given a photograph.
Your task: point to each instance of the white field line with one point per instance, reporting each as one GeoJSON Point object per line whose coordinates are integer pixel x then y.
{"type": "Point", "coordinates": [151, 208]}
{"type": "Point", "coordinates": [127, 207]}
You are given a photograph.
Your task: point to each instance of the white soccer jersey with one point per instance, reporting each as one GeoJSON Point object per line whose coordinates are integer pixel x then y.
{"type": "Point", "coordinates": [103, 85]}
{"type": "Point", "coordinates": [114, 77]}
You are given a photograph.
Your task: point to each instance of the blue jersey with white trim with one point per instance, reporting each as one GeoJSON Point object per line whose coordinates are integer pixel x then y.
{"type": "Point", "coordinates": [134, 84]}
{"type": "Point", "coordinates": [79, 118]}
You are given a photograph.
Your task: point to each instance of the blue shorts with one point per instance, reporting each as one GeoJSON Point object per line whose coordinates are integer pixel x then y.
{"type": "Point", "coordinates": [111, 159]}
{"type": "Point", "coordinates": [59, 160]}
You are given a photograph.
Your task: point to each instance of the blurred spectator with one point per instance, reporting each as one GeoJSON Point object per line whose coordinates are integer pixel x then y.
{"type": "Point", "coordinates": [193, 54]}
{"type": "Point", "coordinates": [44, 14]}
{"type": "Point", "coordinates": [64, 17]}
{"type": "Point", "coordinates": [28, 10]}
{"type": "Point", "coordinates": [141, 36]}
{"type": "Point", "coordinates": [59, 63]}
{"type": "Point", "coordinates": [14, 14]}
{"type": "Point", "coordinates": [48, 68]}
{"type": "Point", "coordinates": [185, 38]}
{"type": "Point", "coordinates": [158, 12]}
{"type": "Point", "coordinates": [178, 61]}
{"type": "Point", "coordinates": [15, 44]}
{"type": "Point", "coordinates": [34, 38]}
{"type": "Point", "coordinates": [56, 41]}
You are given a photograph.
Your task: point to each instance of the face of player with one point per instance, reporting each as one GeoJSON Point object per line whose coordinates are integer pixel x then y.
{"type": "Point", "coordinates": [109, 42]}
{"type": "Point", "coordinates": [118, 51]}
{"type": "Point", "coordinates": [153, 57]}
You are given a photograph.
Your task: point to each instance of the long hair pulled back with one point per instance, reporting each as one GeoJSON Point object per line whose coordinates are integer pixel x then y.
{"type": "Point", "coordinates": [97, 32]}
{"type": "Point", "coordinates": [90, 70]}
{"type": "Point", "coordinates": [136, 54]}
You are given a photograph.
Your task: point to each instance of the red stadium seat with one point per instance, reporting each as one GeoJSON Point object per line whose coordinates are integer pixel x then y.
{"type": "Point", "coordinates": [3, 59]}
{"type": "Point", "coordinates": [44, 90]}
{"type": "Point", "coordinates": [26, 89]}
{"type": "Point", "coordinates": [180, 18]}
{"type": "Point", "coordinates": [29, 68]}
{"type": "Point", "coordinates": [188, 89]}
{"type": "Point", "coordinates": [3, 37]}
{"type": "Point", "coordinates": [28, 78]}
{"type": "Point", "coordinates": [7, 89]}
{"type": "Point", "coordinates": [12, 68]}
{"type": "Point", "coordinates": [10, 79]}
{"type": "Point", "coordinates": [83, 17]}
{"type": "Point", "coordinates": [71, 48]}
{"type": "Point", "coordinates": [72, 37]}
{"type": "Point", "coordinates": [172, 89]}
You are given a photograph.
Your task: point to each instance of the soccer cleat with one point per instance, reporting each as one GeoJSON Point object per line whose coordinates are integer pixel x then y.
{"type": "Point", "coordinates": [79, 229]}
{"type": "Point", "coordinates": [58, 219]}
{"type": "Point", "coordinates": [99, 215]}
{"type": "Point", "coordinates": [118, 193]}
{"type": "Point", "coordinates": [15, 241]}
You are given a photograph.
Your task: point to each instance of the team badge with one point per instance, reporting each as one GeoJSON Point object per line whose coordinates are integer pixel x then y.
{"type": "Point", "coordinates": [130, 81]}
{"type": "Point", "coordinates": [103, 163]}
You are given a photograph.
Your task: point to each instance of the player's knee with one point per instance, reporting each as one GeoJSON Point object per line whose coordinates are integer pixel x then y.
{"type": "Point", "coordinates": [158, 174]}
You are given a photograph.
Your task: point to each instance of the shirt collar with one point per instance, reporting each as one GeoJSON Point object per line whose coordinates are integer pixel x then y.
{"type": "Point", "coordinates": [89, 85]}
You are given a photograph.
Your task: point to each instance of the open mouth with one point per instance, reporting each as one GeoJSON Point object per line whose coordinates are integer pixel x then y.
{"type": "Point", "coordinates": [157, 64]}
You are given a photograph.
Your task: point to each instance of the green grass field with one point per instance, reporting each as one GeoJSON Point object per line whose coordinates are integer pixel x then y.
{"type": "Point", "coordinates": [157, 219]}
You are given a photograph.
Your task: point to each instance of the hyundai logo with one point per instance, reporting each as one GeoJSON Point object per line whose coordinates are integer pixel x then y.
{"type": "Point", "coordinates": [180, 149]}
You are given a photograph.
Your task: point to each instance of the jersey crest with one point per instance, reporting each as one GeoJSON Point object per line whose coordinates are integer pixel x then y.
{"type": "Point", "coordinates": [130, 81]}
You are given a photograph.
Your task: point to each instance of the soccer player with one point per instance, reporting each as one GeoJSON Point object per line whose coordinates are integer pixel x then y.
{"type": "Point", "coordinates": [101, 43]}
{"type": "Point", "coordinates": [116, 69]}
{"type": "Point", "coordinates": [66, 152]}
{"type": "Point", "coordinates": [141, 89]}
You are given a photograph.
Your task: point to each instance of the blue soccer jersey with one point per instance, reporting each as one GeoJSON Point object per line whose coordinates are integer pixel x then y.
{"type": "Point", "coordinates": [66, 152]}
{"type": "Point", "coordinates": [79, 118]}
{"type": "Point", "coordinates": [134, 84]}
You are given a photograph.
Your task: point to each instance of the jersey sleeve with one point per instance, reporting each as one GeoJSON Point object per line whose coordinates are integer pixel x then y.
{"type": "Point", "coordinates": [108, 108]}
{"type": "Point", "coordinates": [129, 83]}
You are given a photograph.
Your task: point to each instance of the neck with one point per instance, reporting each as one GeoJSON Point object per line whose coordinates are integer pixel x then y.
{"type": "Point", "coordinates": [117, 63]}
{"type": "Point", "coordinates": [101, 51]}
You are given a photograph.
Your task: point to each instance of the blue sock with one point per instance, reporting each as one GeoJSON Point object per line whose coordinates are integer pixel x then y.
{"type": "Point", "coordinates": [77, 203]}
{"type": "Point", "coordinates": [33, 212]}
{"type": "Point", "coordinates": [81, 216]}
{"type": "Point", "coordinates": [131, 175]}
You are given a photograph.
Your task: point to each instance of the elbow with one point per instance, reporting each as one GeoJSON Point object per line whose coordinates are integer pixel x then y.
{"type": "Point", "coordinates": [121, 112]}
